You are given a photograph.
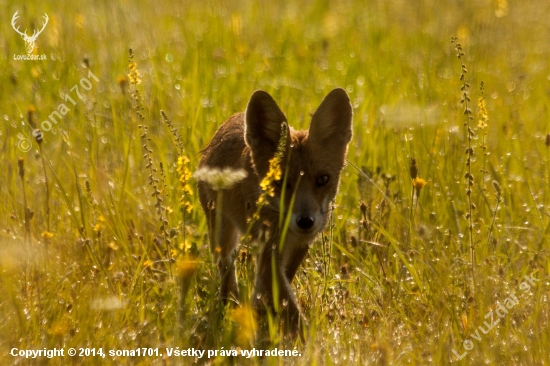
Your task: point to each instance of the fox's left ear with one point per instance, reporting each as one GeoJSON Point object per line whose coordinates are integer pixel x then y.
{"type": "Point", "coordinates": [331, 125]}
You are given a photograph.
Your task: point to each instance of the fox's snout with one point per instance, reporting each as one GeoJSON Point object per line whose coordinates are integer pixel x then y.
{"type": "Point", "coordinates": [308, 216]}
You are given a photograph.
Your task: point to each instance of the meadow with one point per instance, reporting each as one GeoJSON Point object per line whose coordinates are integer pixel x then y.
{"type": "Point", "coordinates": [442, 209]}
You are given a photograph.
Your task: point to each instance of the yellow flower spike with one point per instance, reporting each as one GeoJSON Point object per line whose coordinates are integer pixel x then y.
{"type": "Point", "coordinates": [483, 116]}
{"type": "Point", "coordinates": [133, 73]}
{"type": "Point", "coordinates": [184, 177]}
{"type": "Point", "coordinates": [275, 172]}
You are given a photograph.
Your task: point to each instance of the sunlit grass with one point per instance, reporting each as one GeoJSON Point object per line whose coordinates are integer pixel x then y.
{"type": "Point", "coordinates": [391, 279]}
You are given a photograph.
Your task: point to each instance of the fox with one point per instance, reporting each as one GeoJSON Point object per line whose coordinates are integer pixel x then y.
{"type": "Point", "coordinates": [311, 161]}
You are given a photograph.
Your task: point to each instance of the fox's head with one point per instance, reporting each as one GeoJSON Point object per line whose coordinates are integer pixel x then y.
{"type": "Point", "coordinates": [312, 159]}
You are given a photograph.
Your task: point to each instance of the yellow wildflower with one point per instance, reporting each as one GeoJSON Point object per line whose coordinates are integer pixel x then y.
{"type": "Point", "coordinates": [185, 247]}
{"type": "Point", "coordinates": [100, 224]}
{"type": "Point", "coordinates": [244, 318]}
{"type": "Point", "coordinates": [502, 8]}
{"type": "Point", "coordinates": [79, 21]}
{"type": "Point", "coordinates": [186, 267]}
{"type": "Point", "coordinates": [418, 184]}
{"type": "Point", "coordinates": [58, 329]}
{"type": "Point", "coordinates": [47, 235]}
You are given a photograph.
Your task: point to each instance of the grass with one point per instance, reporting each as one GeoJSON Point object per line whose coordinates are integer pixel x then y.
{"type": "Point", "coordinates": [96, 252]}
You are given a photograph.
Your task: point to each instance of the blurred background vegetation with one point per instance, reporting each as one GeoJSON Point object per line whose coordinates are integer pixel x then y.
{"type": "Point", "coordinates": [89, 256]}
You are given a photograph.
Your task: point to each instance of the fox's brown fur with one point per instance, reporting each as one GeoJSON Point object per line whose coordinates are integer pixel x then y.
{"type": "Point", "coordinates": [314, 158]}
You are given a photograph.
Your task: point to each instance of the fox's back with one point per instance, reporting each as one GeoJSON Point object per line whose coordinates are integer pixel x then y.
{"type": "Point", "coordinates": [227, 147]}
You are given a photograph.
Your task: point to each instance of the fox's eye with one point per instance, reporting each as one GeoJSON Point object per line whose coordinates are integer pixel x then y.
{"type": "Point", "coordinates": [322, 180]}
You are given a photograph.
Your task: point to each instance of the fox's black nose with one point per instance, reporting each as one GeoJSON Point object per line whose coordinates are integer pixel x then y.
{"type": "Point", "coordinates": [305, 222]}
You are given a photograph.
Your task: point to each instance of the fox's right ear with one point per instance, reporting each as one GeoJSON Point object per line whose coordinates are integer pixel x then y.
{"type": "Point", "coordinates": [331, 125]}
{"type": "Point", "coordinates": [263, 119]}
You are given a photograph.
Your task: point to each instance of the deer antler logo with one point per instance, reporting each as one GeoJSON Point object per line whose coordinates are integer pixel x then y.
{"type": "Point", "coordinates": [29, 40]}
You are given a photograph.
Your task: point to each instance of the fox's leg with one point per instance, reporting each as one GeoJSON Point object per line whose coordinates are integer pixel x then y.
{"type": "Point", "coordinates": [292, 260]}
{"type": "Point", "coordinates": [264, 289]}
{"type": "Point", "coordinates": [223, 243]}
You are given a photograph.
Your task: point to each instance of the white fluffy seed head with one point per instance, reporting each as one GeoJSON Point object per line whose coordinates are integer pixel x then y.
{"type": "Point", "coordinates": [220, 178]}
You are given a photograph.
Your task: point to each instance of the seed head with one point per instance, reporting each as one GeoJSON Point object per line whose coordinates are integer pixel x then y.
{"type": "Point", "coordinates": [31, 115]}
{"type": "Point", "coordinates": [413, 169]}
{"type": "Point", "coordinates": [363, 208]}
{"type": "Point", "coordinates": [122, 81]}
{"type": "Point", "coordinates": [38, 135]}
{"type": "Point", "coordinates": [21, 165]}
{"type": "Point", "coordinates": [220, 178]}
{"type": "Point", "coordinates": [497, 188]}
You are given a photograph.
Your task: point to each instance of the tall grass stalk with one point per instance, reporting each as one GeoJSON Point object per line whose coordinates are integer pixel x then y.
{"type": "Point", "coordinates": [469, 133]}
